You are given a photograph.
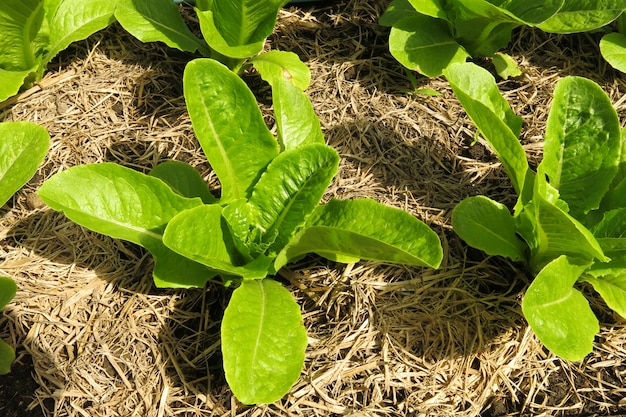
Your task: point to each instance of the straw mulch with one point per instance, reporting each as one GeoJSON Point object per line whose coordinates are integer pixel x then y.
{"type": "Point", "coordinates": [385, 340]}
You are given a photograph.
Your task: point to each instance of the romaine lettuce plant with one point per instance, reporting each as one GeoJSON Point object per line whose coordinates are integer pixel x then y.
{"type": "Point", "coordinates": [7, 355]}
{"type": "Point", "coordinates": [429, 36]}
{"type": "Point", "coordinates": [35, 31]}
{"type": "Point", "coordinates": [267, 214]}
{"type": "Point", "coordinates": [569, 223]}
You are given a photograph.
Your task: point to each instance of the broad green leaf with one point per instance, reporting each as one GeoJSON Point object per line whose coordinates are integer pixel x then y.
{"type": "Point", "coordinates": [612, 224]}
{"type": "Point", "coordinates": [158, 21]}
{"type": "Point", "coordinates": [561, 234]}
{"type": "Point", "coordinates": [290, 189]}
{"type": "Point", "coordinates": [263, 342]}
{"type": "Point", "coordinates": [478, 86]}
{"type": "Point", "coordinates": [612, 288]}
{"type": "Point", "coordinates": [275, 66]}
{"type": "Point", "coordinates": [183, 179]}
{"type": "Point", "coordinates": [216, 41]}
{"type": "Point", "coordinates": [7, 356]}
{"type": "Point", "coordinates": [616, 195]}
{"type": "Point", "coordinates": [8, 289]}
{"type": "Point", "coordinates": [296, 121]}
{"type": "Point", "coordinates": [582, 144]}
{"type": "Point", "coordinates": [75, 20]}
{"type": "Point", "coordinates": [12, 81]}
{"type": "Point", "coordinates": [505, 66]}
{"type": "Point", "coordinates": [201, 234]}
{"type": "Point", "coordinates": [533, 12]}
{"type": "Point", "coordinates": [365, 229]}
{"type": "Point", "coordinates": [425, 44]}
{"type": "Point", "coordinates": [433, 8]}
{"type": "Point", "coordinates": [396, 11]}
{"type": "Point", "coordinates": [126, 204]}
{"type": "Point", "coordinates": [583, 15]}
{"type": "Point", "coordinates": [481, 27]}
{"type": "Point", "coordinates": [242, 22]}
{"type": "Point", "coordinates": [477, 91]}
{"type": "Point", "coordinates": [23, 147]}
{"type": "Point", "coordinates": [560, 315]}
{"type": "Point", "coordinates": [228, 125]}
{"type": "Point", "coordinates": [613, 49]}
{"type": "Point", "coordinates": [489, 226]}
{"type": "Point", "coordinates": [20, 22]}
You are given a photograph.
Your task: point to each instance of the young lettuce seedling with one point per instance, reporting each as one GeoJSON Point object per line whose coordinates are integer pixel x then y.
{"type": "Point", "coordinates": [569, 223]}
{"type": "Point", "coordinates": [429, 36]}
{"type": "Point", "coordinates": [267, 215]}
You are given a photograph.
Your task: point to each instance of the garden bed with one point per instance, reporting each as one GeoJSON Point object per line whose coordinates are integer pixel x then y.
{"type": "Point", "coordinates": [384, 340]}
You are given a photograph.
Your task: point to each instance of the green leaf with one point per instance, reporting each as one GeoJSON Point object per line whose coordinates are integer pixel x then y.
{"type": "Point", "coordinates": [613, 50]}
{"type": "Point", "coordinates": [126, 204]}
{"type": "Point", "coordinates": [583, 16]}
{"type": "Point", "coordinates": [477, 91]}
{"type": "Point", "coordinates": [75, 20]}
{"type": "Point", "coordinates": [242, 22]}
{"type": "Point", "coordinates": [612, 288]}
{"type": "Point", "coordinates": [365, 229]}
{"type": "Point", "coordinates": [616, 195]}
{"type": "Point", "coordinates": [425, 44]}
{"type": "Point", "coordinates": [7, 356]}
{"type": "Point", "coordinates": [433, 8]}
{"type": "Point", "coordinates": [229, 126]}
{"type": "Point", "coordinates": [560, 315]}
{"type": "Point", "coordinates": [20, 22]}
{"type": "Point", "coordinates": [489, 226]}
{"type": "Point", "coordinates": [8, 289]}
{"type": "Point", "coordinates": [12, 81]}
{"type": "Point", "coordinates": [396, 11]}
{"type": "Point", "coordinates": [263, 342]}
{"type": "Point", "coordinates": [23, 147]}
{"type": "Point", "coordinates": [274, 66]}
{"type": "Point", "coordinates": [582, 144]}
{"type": "Point", "coordinates": [183, 179]}
{"type": "Point", "coordinates": [505, 66]}
{"type": "Point", "coordinates": [290, 189]}
{"type": "Point", "coordinates": [202, 234]}
{"type": "Point", "coordinates": [561, 234]}
{"type": "Point", "coordinates": [158, 21]}
{"type": "Point", "coordinates": [296, 121]}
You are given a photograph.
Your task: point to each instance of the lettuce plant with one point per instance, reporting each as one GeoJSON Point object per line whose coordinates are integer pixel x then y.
{"type": "Point", "coordinates": [35, 31]}
{"type": "Point", "coordinates": [569, 223]}
{"type": "Point", "coordinates": [7, 355]}
{"type": "Point", "coordinates": [267, 214]}
{"type": "Point", "coordinates": [429, 36]}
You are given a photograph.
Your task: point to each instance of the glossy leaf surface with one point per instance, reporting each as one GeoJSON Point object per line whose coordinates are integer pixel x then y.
{"type": "Point", "coordinates": [183, 179]}
{"type": "Point", "coordinates": [125, 204]}
{"type": "Point", "coordinates": [425, 44]}
{"type": "Point", "coordinates": [228, 125]}
{"type": "Point", "coordinates": [263, 341]}
{"type": "Point", "coordinates": [582, 144]}
{"type": "Point", "coordinates": [23, 147]}
{"type": "Point", "coordinates": [365, 229]}
{"type": "Point", "coordinates": [290, 189]}
{"type": "Point", "coordinates": [583, 15]}
{"type": "Point", "coordinates": [558, 313]}
{"type": "Point", "coordinates": [157, 21]}
{"type": "Point", "coordinates": [489, 226]}
{"type": "Point", "coordinates": [613, 49]}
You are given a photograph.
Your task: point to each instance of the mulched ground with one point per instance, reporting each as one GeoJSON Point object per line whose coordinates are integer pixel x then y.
{"type": "Point", "coordinates": [95, 338]}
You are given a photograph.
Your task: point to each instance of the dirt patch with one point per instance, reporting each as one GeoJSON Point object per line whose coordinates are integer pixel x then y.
{"type": "Point", "coordinates": [384, 340]}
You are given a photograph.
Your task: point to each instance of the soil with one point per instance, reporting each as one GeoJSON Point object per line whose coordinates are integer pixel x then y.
{"type": "Point", "coordinates": [96, 338]}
